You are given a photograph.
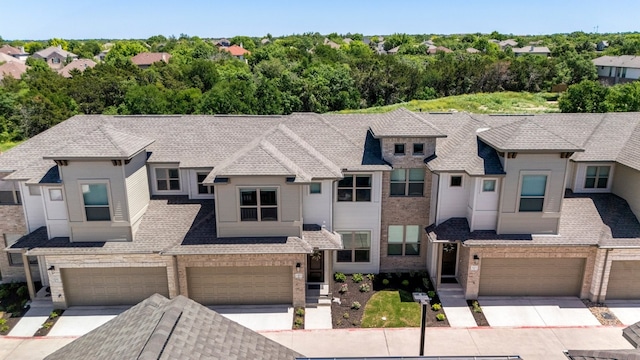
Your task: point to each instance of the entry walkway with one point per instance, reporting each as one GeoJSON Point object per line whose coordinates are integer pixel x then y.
{"type": "Point", "coordinates": [455, 306]}
{"type": "Point", "coordinates": [317, 317]}
{"type": "Point", "coordinates": [34, 318]}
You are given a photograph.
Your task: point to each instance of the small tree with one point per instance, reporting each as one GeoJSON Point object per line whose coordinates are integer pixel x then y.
{"type": "Point", "coordinates": [585, 97]}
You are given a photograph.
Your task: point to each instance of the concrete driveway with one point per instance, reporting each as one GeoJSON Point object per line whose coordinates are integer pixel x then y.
{"type": "Point", "coordinates": [627, 311]}
{"type": "Point", "coordinates": [79, 320]}
{"type": "Point", "coordinates": [536, 311]}
{"type": "Point", "coordinates": [259, 317]}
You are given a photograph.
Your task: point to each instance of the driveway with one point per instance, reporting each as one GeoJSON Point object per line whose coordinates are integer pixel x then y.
{"type": "Point", "coordinates": [536, 311]}
{"type": "Point", "coordinates": [258, 317]}
{"type": "Point", "coordinates": [627, 311]}
{"type": "Point", "coordinates": [79, 320]}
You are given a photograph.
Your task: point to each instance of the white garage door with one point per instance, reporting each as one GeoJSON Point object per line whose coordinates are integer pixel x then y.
{"type": "Point", "coordinates": [531, 277]}
{"type": "Point", "coordinates": [252, 285]}
{"type": "Point", "coordinates": [624, 280]}
{"type": "Point", "coordinates": [113, 286]}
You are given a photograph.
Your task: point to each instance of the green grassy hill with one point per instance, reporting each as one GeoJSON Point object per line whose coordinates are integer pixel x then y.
{"type": "Point", "coordinates": [482, 103]}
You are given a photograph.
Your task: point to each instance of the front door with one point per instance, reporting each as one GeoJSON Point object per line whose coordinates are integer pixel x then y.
{"type": "Point", "coordinates": [449, 262]}
{"type": "Point", "coordinates": [315, 267]}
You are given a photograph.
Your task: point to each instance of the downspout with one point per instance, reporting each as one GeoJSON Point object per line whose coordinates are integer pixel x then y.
{"type": "Point", "coordinates": [500, 199]}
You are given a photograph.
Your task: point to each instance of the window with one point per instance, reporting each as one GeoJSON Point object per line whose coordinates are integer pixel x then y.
{"type": "Point", "coordinates": [96, 202]}
{"type": "Point", "coordinates": [532, 193]}
{"type": "Point", "coordinates": [398, 149]}
{"type": "Point", "coordinates": [167, 179]}
{"type": "Point", "coordinates": [34, 190]}
{"type": "Point", "coordinates": [357, 246]}
{"type": "Point", "coordinates": [315, 188]}
{"type": "Point", "coordinates": [259, 204]}
{"type": "Point", "coordinates": [407, 182]}
{"type": "Point", "coordinates": [55, 61]}
{"type": "Point", "coordinates": [488, 185]}
{"type": "Point", "coordinates": [55, 194]}
{"type": "Point", "coordinates": [624, 73]}
{"type": "Point", "coordinates": [597, 177]}
{"type": "Point", "coordinates": [418, 149]}
{"type": "Point", "coordinates": [203, 189]}
{"type": "Point", "coordinates": [355, 188]}
{"type": "Point", "coordinates": [15, 258]}
{"type": "Point", "coordinates": [403, 240]}
{"type": "Point", "coordinates": [456, 181]}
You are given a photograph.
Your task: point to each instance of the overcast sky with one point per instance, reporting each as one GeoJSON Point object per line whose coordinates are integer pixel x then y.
{"type": "Point", "coordinates": [118, 19]}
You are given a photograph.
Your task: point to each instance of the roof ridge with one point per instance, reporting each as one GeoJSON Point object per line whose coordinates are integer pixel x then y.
{"type": "Point", "coordinates": [155, 344]}
{"type": "Point", "coordinates": [243, 150]}
{"type": "Point", "coordinates": [278, 156]}
{"type": "Point", "coordinates": [105, 129]}
{"type": "Point", "coordinates": [334, 128]}
{"type": "Point", "coordinates": [310, 149]}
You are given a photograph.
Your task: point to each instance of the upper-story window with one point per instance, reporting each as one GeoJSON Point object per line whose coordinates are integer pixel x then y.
{"type": "Point", "coordinates": [167, 179]}
{"type": "Point", "coordinates": [403, 240]}
{"type": "Point", "coordinates": [532, 193]}
{"type": "Point", "coordinates": [356, 247]}
{"type": "Point", "coordinates": [55, 60]}
{"type": "Point", "coordinates": [55, 194]}
{"type": "Point", "coordinates": [398, 149]}
{"type": "Point", "coordinates": [597, 177]}
{"type": "Point", "coordinates": [355, 188]}
{"type": "Point", "coordinates": [203, 189]}
{"type": "Point", "coordinates": [418, 149]}
{"type": "Point", "coordinates": [407, 182]}
{"type": "Point", "coordinates": [488, 185]}
{"type": "Point", "coordinates": [96, 201]}
{"type": "Point", "coordinates": [315, 188]}
{"type": "Point", "coordinates": [8, 193]}
{"type": "Point", "coordinates": [456, 181]}
{"type": "Point", "coordinates": [259, 204]}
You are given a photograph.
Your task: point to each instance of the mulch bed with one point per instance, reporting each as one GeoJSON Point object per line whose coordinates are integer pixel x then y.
{"type": "Point", "coordinates": [11, 321]}
{"type": "Point", "coordinates": [602, 313]}
{"type": "Point", "coordinates": [298, 318]}
{"type": "Point", "coordinates": [344, 316]}
{"type": "Point", "coordinates": [477, 316]}
{"type": "Point", "coordinates": [44, 330]}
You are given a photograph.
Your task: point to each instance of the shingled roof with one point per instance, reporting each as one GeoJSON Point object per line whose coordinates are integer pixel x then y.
{"type": "Point", "coordinates": [403, 123]}
{"type": "Point", "coordinates": [525, 135]}
{"type": "Point", "coordinates": [180, 328]}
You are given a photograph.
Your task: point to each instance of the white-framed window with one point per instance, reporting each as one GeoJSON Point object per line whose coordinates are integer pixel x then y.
{"type": "Point", "coordinates": [398, 149]}
{"type": "Point", "coordinates": [532, 192]}
{"type": "Point", "coordinates": [597, 177]}
{"type": "Point", "coordinates": [489, 185]}
{"type": "Point", "coordinates": [95, 197]}
{"type": "Point", "coordinates": [355, 188]}
{"type": "Point", "coordinates": [315, 188]}
{"type": "Point", "coordinates": [403, 240]}
{"type": "Point", "coordinates": [34, 190]}
{"type": "Point", "coordinates": [258, 204]}
{"type": "Point", "coordinates": [55, 195]}
{"type": "Point", "coordinates": [418, 149]}
{"type": "Point", "coordinates": [407, 182]}
{"type": "Point", "coordinates": [167, 179]}
{"type": "Point", "coordinates": [357, 247]}
{"type": "Point", "coordinates": [203, 189]}
{"type": "Point", "coordinates": [456, 181]}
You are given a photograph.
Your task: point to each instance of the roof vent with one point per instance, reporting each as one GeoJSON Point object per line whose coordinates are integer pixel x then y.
{"type": "Point", "coordinates": [482, 129]}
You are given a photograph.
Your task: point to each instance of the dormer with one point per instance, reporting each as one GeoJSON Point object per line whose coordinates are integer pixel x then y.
{"type": "Point", "coordinates": [406, 138]}
{"type": "Point", "coordinates": [105, 186]}
{"type": "Point", "coordinates": [535, 161]}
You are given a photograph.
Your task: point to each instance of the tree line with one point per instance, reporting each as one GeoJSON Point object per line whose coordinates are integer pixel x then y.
{"type": "Point", "coordinates": [295, 73]}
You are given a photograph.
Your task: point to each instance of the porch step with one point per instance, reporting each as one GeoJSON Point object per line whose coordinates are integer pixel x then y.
{"type": "Point", "coordinates": [313, 301]}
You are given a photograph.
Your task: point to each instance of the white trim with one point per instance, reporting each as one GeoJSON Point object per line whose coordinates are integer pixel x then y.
{"type": "Point", "coordinates": [181, 177]}
{"type": "Point", "coordinates": [581, 175]}
{"type": "Point", "coordinates": [258, 206]}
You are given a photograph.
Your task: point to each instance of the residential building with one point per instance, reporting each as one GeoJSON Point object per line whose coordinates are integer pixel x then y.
{"type": "Point", "coordinates": [55, 56]}
{"type": "Point", "coordinates": [602, 45]}
{"type": "Point", "coordinates": [332, 44]}
{"type": "Point", "coordinates": [145, 60]}
{"type": "Point", "coordinates": [473, 51]}
{"type": "Point", "coordinates": [4, 58]}
{"type": "Point", "coordinates": [17, 53]}
{"type": "Point", "coordinates": [108, 210]}
{"type": "Point", "coordinates": [78, 64]}
{"type": "Point", "coordinates": [617, 69]}
{"type": "Point", "coordinates": [236, 51]}
{"type": "Point", "coordinates": [431, 50]}
{"type": "Point", "coordinates": [532, 50]}
{"type": "Point", "coordinates": [507, 43]}
{"type": "Point", "coordinates": [14, 69]}
{"type": "Point", "coordinates": [222, 42]}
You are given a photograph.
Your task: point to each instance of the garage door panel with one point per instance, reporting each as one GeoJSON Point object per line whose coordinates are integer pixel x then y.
{"type": "Point", "coordinates": [113, 286]}
{"type": "Point", "coordinates": [624, 281]}
{"type": "Point", "coordinates": [531, 276]}
{"type": "Point", "coordinates": [240, 285]}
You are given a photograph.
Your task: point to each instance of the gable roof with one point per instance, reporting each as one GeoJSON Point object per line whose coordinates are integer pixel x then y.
{"type": "Point", "coordinates": [531, 50]}
{"type": "Point", "coordinates": [14, 69]}
{"type": "Point", "coordinates": [10, 50]}
{"type": "Point", "coordinates": [525, 135]}
{"type": "Point", "coordinates": [51, 50]}
{"type": "Point", "coordinates": [628, 61]}
{"type": "Point", "coordinates": [104, 142]}
{"type": "Point", "coordinates": [148, 58]}
{"type": "Point", "coordinates": [236, 50]}
{"type": "Point", "coordinates": [78, 64]}
{"type": "Point", "coordinates": [180, 328]}
{"type": "Point", "coordinates": [403, 123]}
{"type": "Point", "coordinates": [8, 58]}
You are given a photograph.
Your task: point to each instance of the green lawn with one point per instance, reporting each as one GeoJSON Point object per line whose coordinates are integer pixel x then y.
{"type": "Point", "coordinates": [390, 304]}
{"type": "Point", "coordinates": [8, 145]}
{"type": "Point", "coordinates": [482, 103]}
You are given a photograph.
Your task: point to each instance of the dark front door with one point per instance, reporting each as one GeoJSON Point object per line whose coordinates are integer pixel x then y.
{"type": "Point", "coordinates": [449, 260]}
{"type": "Point", "coordinates": [315, 267]}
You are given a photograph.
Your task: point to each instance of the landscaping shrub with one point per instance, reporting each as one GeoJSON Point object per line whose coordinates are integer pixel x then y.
{"type": "Point", "coordinates": [355, 305]}
{"type": "Point", "coordinates": [405, 282]}
{"type": "Point", "coordinates": [441, 317]}
{"type": "Point", "coordinates": [431, 294]}
{"type": "Point", "coordinates": [298, 322]}
{"type": "Point", "coordinates": [22, 290]}
{"type": "Point", "coordinates": [476, 306]}
{"type": "Point", "coordinates": [371, 277]}
{"type": "Point", "coordinates": [300, 312]}
{"type": "Point", "coordinates": [357, 278]}
{"type": "Point", "coordinates": [436, 307]}
{"type": "Point", "coordinates": [365, 288]}
{"type": "Point", "coordinates": [426, 283]}
{"type": "Point", "coordinates": [3, 325]}
{"type": "Point", "coordinates": [343, 288]}
{"type": "Point", "coordinates": [345, 315]}
{"type": "Point", "coordinates": [385, 282]}
{"type": "Point", "coordinates": [340, 277]}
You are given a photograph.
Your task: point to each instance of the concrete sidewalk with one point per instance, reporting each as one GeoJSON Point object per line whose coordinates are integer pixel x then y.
{"type": "Point", "coordinates": [37, 314]}
{"type": "Point", "coordinates": [536, 311]}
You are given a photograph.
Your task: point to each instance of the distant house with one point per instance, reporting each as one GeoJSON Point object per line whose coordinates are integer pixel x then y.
{"type": "Point", "coordinates": [393, 51]}
{"type": "Point", "coordinates": [601, 45]}
{"type": "Point", "coordinates": [4, 58]}
{"type": "Point", "coordinates": [366, 40]}
{"type": "Point", "coordinates": [14, 69]}
{"type": "Point", "coordinates": [145, 60]}
{"type": "Point", "coordinates": [236, 51]}
{"type": "Point", "coordinates": [78, 64]}
{"type": "Point", "coordinates": [265, 41]}
{"type": "Point", "coordinates": [427, 43]}
{"type": "Point", "coordinates": [55, 56]}
{"type": "Point", "coordinates": [222, 42]}
{"type": "Point", "coordinates": [507, 43]}
{"type": "Point", "coordinates": [533, 50]}
{"type": "Point", "coordinates": [14, 52]}
{"type": "Point", "coordinates": [472, 51]}
{"type": "Point", "coordinates": [435, 49]}
{"type": "Point", "coordinates": [347, 40]}
{"type": "Point", "coordinates": [331, 43]}
{"type": "Point", "coordinates": [617, 69]}
{"type": "Point", "coordinates": [101, 55]}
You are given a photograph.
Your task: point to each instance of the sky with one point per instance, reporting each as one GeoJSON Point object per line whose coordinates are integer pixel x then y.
{"type": "Point", "coordinates": [132, 19]}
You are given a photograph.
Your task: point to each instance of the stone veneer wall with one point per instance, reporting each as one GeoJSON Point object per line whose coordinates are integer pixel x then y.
{"type": "Point", "coordinates": [95, 261]}
{"type": "Point", "coordinates": [472, 278]}
{"type": "Point", "coordinates": [299, 284]}
{"type": "Point", "coordinates": [405, 210]}
{"type": "Point", "coordinates": [12, 222]}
